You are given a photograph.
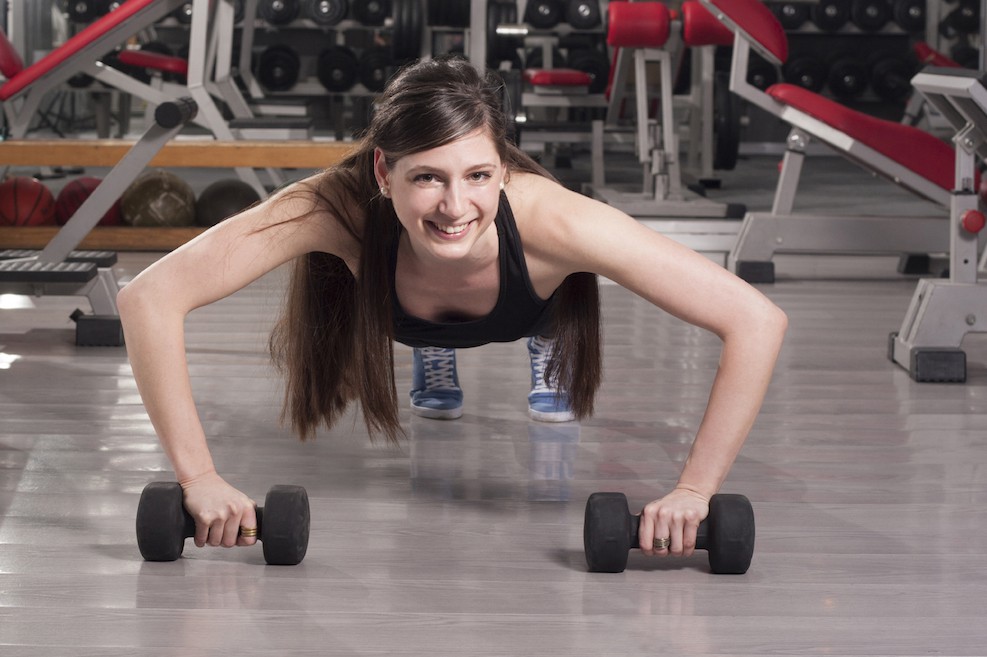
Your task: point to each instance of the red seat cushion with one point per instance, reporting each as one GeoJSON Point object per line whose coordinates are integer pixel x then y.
{"type": "Point", "coordinates": [10, 61]}
{"type": "Point", "coordinates": [154, 60]}
{"type": "Point", "coordinates": [910, 147]}
{"type": "Point", "coordinates": [637, 24]}
{"type": "Point", "coordinates": [71, 47]}
{"type": "Point", "coordinates": [755, 20]}
{"type": "Point", "coordinates": [557, 77]}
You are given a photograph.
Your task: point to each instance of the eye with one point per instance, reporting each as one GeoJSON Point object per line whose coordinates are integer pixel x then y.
{"type": "Point", "coordinates": [480, 176]}
{"type": "Point", "coordinates": [425, 178]}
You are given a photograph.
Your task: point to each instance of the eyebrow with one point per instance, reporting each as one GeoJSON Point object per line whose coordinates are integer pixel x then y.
{"type": "Point", "coordinates": [424, 168]}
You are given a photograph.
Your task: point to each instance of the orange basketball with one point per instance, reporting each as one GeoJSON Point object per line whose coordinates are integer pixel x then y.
{"type": "Point", "coordinates": [26, 202]}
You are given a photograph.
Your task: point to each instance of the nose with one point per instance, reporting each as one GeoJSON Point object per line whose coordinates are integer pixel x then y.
{"type": "Point", "coordinates": [455, 201]}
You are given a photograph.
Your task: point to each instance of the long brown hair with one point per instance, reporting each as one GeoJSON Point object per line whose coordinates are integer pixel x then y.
{"type": "Point", "coordinates": [334, 340]}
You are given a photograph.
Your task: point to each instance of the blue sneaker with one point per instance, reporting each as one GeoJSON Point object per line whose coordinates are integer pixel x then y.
{"type": "Point", "coordinates": [435, 391]}
{"type": "Point", "coordinates": [545, 402]}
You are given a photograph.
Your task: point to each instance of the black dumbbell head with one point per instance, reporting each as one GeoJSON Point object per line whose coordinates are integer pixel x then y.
{"type": "Point", "coordinates": [730, 536]}
{"type": "Point", "coordinates": [607, 532]}
{"type": "Point", "coordinates": [161, 522]}
{"type": "Point", "coordinates": [285, 525]}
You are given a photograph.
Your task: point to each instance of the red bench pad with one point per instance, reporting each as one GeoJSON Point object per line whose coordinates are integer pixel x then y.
{"type": "Point", "coordinates": [914, 149]}
{"type": "Point", "coordinates": [637, 24]}
{"type": "Point", "coordinates": [701, 28]}
{"type": "Point", "coordinates": [66, 51]}
{"type": "Point", "coordinates": [154, 60]}
{"type": "Point", "coordinates": [557, 77]}
{"type": "Point", "coordinates": [757, 21]}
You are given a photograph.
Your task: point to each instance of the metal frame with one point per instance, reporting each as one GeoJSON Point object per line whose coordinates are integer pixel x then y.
{"type": "Point", "coordinates": [781, 230]}
{"type": "Point", "coordinates": [942, 312]}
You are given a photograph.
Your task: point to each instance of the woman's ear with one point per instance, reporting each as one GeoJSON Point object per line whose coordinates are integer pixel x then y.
{"type": "Point", "coordinates": [380, 169]}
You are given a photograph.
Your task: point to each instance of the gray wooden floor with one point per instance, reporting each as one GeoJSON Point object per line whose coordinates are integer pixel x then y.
{"type": "Point", "coordinates": [869, 492]}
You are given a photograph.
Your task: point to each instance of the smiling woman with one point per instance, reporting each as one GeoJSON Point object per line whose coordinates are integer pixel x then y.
{"type": "Point", "coordinates": [438, 232]}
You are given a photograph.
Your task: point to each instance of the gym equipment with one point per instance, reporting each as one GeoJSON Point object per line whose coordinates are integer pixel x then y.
{"type": "Point", "coordinates": [870, 15]}
{"type": "Point", "coordinates": [594, 62]}
{"type": "Point", "coordinates": [942, 312]}
{"type": "Point", "coordinates": [543, 14]}
{"type": "Point", "coordinates": [583, 14]}
{"type": "Point", "coordinates": [500, 46]}
{"type": "Point", "coordinates": [925, 166]}
{"type": "Point", "coordinates": [909, 15]}
{"type": "Point", "coordinates": [163, 524]}
{"type": "Point", "coordinates": [326, 12]}
{"type": "Point", "coordinates": [278, 67]}
{"type": "Point", "coordinates": [452, 14]}
{"type": "Point", "coordinates": [183, 14]}
{"type": "Point", "coordinates": [84, 11]}
{"type": "Point", "coordinates": [74, 194]}
{"type": "Point", "coordinates": [279, 12]}
{"type": "Point", "coordinates": [408, 30]}
{"type": "Point", "coordinates": [372, 69]}
{"type": "Point", "coordinates": [965, 19]}
{"type": "Point", "coordinates": [847, 76]}
{"type": "Point", "coordinates": [59, 270]}
{"type": "Point", "coordinates": [726, 124]}
{"type": "Point", "coordinates": [26, 202]}
{"type": "Point", "coordinates": [791, 15]}
{"type": "Point", "coordinates": [610, 532]}
{"type": "Point", "coordinates": [890, 76]}
{"type": "Point", "coordinates": [807, 71]}
{"type": "Point", "coordinates": [370, 12]}
{"type": "Point", "coordinates": [760, 72]}
{"type": "Point", "coordinates": [223, 199]}
{"type": "Point", "coordinates": [831, 15]}
{"type": "Point", "coordinates": [337, 68]}
{"type": "Point", "coordinates": [158, 198]}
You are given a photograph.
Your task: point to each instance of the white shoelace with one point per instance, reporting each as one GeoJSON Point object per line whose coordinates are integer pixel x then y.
{"type": "Point", "coordinates": [440, 368]}
{"type": "Point", "coordinates": [540, 350]}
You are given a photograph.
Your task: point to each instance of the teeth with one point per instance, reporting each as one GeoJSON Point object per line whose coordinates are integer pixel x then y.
{"type": "Point", "coordinates": [451, 230]}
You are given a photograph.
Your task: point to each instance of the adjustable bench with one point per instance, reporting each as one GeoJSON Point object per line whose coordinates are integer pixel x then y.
{"type": "Point", "coordinates": [942, 312]}
{"type": "Point", "coordinates": [903, 154]}
{"type": "Point", "coordinates": [59, 270]}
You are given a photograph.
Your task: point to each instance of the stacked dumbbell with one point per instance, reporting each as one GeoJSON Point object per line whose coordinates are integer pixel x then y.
{"type": "Point", "coordinates": [163, 524]}
{"type": "Point", "coordinates": [863, 15]}
{"type": "Point", "coordinates": [610, 531]}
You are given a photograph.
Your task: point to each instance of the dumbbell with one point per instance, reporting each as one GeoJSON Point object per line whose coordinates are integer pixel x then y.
{"type": "Point", "coordinates": [610, 532]}
{"type": "Point", "coordinates": [163, 524]}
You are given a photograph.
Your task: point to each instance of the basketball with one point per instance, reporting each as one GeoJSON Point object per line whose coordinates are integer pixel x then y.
{"type": "Point", "coordinates": [74, 194]}
{"type": "Point", "coordinates": [26, 202]}
{"type": "Point", "coordinates": [158, 198]}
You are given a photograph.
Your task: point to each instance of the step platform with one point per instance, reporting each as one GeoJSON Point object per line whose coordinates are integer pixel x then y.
{"type": "Point", "coordinates": [100, 258]}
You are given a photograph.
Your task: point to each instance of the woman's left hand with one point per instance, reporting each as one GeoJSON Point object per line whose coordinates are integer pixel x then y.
{"type": "Point", "coordinates": [675, 517]}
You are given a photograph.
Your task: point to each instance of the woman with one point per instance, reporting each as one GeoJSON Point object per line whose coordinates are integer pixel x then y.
{"type": "Point", "coordinates": [407, 239]}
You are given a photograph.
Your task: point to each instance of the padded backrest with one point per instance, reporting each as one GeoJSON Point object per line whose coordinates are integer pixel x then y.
{"type": "Point", "coordinates": [756, 23]}
{"type": "Point", "coordinates": [700, 28]}
{"type": "Point", "coordinates": [10, 61]}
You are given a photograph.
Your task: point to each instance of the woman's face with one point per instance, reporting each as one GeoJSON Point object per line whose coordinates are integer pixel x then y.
{"type": "Point", "coordinates": [445, 198]}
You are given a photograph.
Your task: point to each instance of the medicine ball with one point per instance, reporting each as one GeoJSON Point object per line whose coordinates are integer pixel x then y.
{"type": "Point", "coordinates": [223, 199]}
{"type": "Point", "coordinates": [158, 198]}
{"type": "Point", "coordinates": [74, 194]}
{"type": "Point", "coordinates": [26, 202]}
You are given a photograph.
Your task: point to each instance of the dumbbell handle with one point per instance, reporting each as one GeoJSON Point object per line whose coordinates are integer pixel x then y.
{"type": "Point", "coordinates": [188, 529]}
{"type": "Point", "coordinates": [702, 533]}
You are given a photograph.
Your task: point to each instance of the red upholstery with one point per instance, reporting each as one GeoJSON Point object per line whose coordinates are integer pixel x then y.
{"type": "Point", "coordinates": [71, 47]}
{"type": "Point", "coordinates": [701, 28]}
{"type": "Point", "coordinates": [557, 77]}
{"type": "Point", "coordinates": [927, 55]}
{"type": "Point", "coordinates": [637, 24]}
{"type": "Point", "coordinates": [154, 60]}
{"type": "Point", "coordinates": [910, 147]}
{"type": "Point", "coordinates": [755, 20]}
{"type": "Point", "coordinates": [10, 61]}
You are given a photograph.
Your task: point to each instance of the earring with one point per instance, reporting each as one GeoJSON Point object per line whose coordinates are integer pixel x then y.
{"type": "Point", "coordinates": [384, 192]}
{"type": "Point", "coordinates": [501, 186]}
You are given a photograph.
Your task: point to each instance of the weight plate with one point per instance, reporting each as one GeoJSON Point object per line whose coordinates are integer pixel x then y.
{"type": "Point", "coordinates": [500, 48]}
{"type": "Point", "coordinates": [831, 15]}
{"type": "Point", "coordinates": [890, 78]}
{"type": "Point", "coordinates": [792, 15]}
{"type": "Point", "coordinates": [326, 12]}
{"type": "Point", "coordinates": [596, 63]}
{"type": "Point", "coordinates": [870, 15]}
{"type": "Point", "coordinates": [847, 78]}
{"type": "Point", "coordinates": [409, 26]}
{"type": "Point", "coordinates": [279, 12]}
{"type": "Point", "coordinates": [337, 68]}
{"type": "Point", "coordinates": [543, 14]}
{"type": "Point", "coordinates": [372, 71]}
{"type": "Point", "coordinates": [910, 15]}
{"type": "Point", "coordinates": [583, 14]}
{"type": "Point", "coordinates": [371, 12]}
{"type": "Point", "coordinates": [806, 72]}
{"type": "Point", "coordinates": [278, 68]}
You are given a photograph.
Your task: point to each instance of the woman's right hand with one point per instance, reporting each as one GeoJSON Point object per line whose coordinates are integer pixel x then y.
{"type": "Point", "coordinates": [219, 511]}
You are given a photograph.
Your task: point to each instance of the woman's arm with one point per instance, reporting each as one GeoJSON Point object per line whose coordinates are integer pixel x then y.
{"type": "Point", "coordinates": [153, 308]}
{"type": "Point", "coordinates": [591, 236]}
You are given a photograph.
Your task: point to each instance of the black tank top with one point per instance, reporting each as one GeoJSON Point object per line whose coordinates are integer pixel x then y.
{"type": "Point", "coordinates": [518, 313]}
